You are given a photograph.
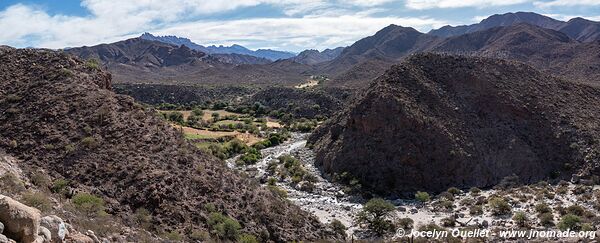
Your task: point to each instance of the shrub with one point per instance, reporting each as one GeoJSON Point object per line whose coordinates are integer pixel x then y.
{"type": "Point", "coordinates": [40, 179]}
{"type": "Point", "coordinates": [88, 203]}
{"type": "Point", "coordinates": [11, 183]}
{"type": "Point", "coordinates": [454, 190]}
{"type": "Point", "coordinates": [197, 112]}
{"type": "Point", "coordinates": [338, 228]}
{"type": "Point", "coordinates": [520, 219]}
{"type": "Point", "coordinates": [200, 235]}
{"type": "Point", "coordinates": [422, 197]}
{"type": "Point", "coordinates": [499, 206]}
{"type": "Point", "coordinates": [59, 186]}
{"type": "Point", "coordinates": [93, 64]}
{"type": "Point", "coordinates": [569, 221]}
{"type": "Point", "coordinates": [546, 219]}
{"type": "Point", "coordinates": [88, 142]}
{"type": "Point", "coordinates": [11, 98]}
{"type": "Point", "coordinates": [37, 200]}
{"type": "Point", "coordinates": [476, 210]}
{"type": "Point", "coordinates": [575, 210]}
{"type": "Point", "coordinates": [143, 217]}
{"type": "Point", "coordinates": [376, 215]}
{"type": "Point", "coordinates": [174, 236]}
{"type": "Point", "coordinates": [542, 208]}
{"type": "Point", "coordinates": [224, 227]}
{"type": "Point", "coordinates": [281, 193]}
{"type": "Point", "coordinates": [405, 223]}
{"type": "Point", "coordinates": [69, 148]}
{"type": "Point", "coordinates": [247, 238]}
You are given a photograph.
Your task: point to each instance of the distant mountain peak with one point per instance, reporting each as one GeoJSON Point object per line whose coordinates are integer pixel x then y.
{"type": "Point", "coordinates": [578, 28]}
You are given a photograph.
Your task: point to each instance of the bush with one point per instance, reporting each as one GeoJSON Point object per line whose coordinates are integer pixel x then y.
{"type": "Point", "coordinates": [224, 227]}
{"type": "Point", "coordinates": [37, 200]}
{"type": "Point", "coordinates": [88, 142]}
{"type": "Point", "coordinates": [543, 208]}
{"type": "Point", "coordinates": [546, 219]}
{"type": "Point", "coordinates": [281, 193]}
{"type": "Point", "coordinates": [40, 179]}
{"type": "Point", "coordinates": [520, 219]}
{"type": "Point", "coordinates": [338, 228]}
{"type": "Point", "coordinates": [476, 210]}
{"type": "Point", "coordinates": [93, 64]}
{"type": "Point", "coordinates": [569, 221]}
{"type": "Point", "coordinates": [376, 215]}
{"type": "Point", "coordinates": [454, 190]}
{"type": "Point", "coordinates": [422, 197]}
{"type": "Point", "coordinates": [88, 203]}
{"type": "Point", "coordinates": [11, 183]}
{"type": "Point", "coordinates": [143, 217]}
{"type": "Point", "coordinates": [575, 210]}
{"type": "Point", "coordinates": [59, 186]}
{"type": "Point", "coordinates": [499, 206]}
{"type": "Point", "coordinates": [247, 238]}
{"type": "Point", "coordinates": [475, 190]}
{"type": "Point", "coordinates": [174, 236]}
{"type": "Point", "coordinates": [200, 235]}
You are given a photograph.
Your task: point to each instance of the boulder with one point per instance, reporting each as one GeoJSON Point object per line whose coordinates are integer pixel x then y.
{"type": "Point", "coordinates": [79, 238]}
{"type": "Point", "coordinates": [44, 232]}
{"type": "Point", "coordinates": [56, 226]}
{"type": "Point", "coordinates": [21, 222]}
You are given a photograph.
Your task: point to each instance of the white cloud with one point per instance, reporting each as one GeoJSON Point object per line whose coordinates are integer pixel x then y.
{"type": "Point", "coordinates": [429, 4]}
{"type": "Point", "coordinates": [563, 3]}
{"type": "Point", "coordinates": [319, 24]}
{"type": "Point", "coordinates": [564, 17]}
{"type": "Point", "coordinates": [294, 33]}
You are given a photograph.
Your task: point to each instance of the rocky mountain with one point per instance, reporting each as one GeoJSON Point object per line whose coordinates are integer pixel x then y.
{"type": "Point", "coordinates": [143, 61]}
{"type": "Point", "coordinates": [375, 54]}
{"type": "Point", "coordinates": [60, 116]}
{"type": "Point", "coordinates": [548, 50]}
{"type": "Point", "coordinates": [578, 28]}
{"type": "Point", "coordinates": [438, 121]}
{"type": "Point", "coordinates": [312, 57]}
{"type": "Point", "coordinates": [234, 49]}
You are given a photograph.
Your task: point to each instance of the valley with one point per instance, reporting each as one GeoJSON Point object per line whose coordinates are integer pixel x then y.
{"type": "Point", "coordinates": [398, 136]}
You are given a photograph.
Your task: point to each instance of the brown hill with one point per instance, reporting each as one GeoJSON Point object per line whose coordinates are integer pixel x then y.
{"type": "Point", "coordinates": [58, 114]}
{"type": "Point", "coordinates": [313, 57]}
{"type": "Point", "coordinates": [438, 121]}
{"type": "Point", "coordinates": [545, 49]}
{"type": "Point", "coordinates": [144, 61]}
{"type": "Point", "coordinates": [579, 29]}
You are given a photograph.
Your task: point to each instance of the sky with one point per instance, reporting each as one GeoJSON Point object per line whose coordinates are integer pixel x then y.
{"type": "Point", "coordinates": [290, 25]}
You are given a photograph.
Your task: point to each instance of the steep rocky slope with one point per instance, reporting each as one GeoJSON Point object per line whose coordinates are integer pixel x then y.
{"type": "Point", "coordinates": [58, 114]}
{"type": "Point", "coordinates": [439, 121]}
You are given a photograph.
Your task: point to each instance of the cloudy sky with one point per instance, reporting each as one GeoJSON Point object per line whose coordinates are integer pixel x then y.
{"type": "Point", "coordinates": [292, 25]}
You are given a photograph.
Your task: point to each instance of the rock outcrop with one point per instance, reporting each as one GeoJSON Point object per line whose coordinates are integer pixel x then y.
{"type": "Point", "coordinates": [439, 121]}
{"type": "Point", "coordinates": [21, 223]}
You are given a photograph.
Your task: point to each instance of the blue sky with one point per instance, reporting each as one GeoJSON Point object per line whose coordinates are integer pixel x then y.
{"type": "Point", "coordinates": [292, 25]}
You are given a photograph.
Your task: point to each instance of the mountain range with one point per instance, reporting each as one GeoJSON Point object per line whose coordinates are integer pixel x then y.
{"type": "Point", "coordinates": [233, 49]}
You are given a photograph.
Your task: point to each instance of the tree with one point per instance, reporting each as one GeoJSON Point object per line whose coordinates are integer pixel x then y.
{"type": "Point", "coordinates": [377, 214]}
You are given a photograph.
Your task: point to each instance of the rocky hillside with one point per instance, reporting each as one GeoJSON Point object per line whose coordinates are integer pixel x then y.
{"type": "Point", "coordinates": [140, 60]}
{"type": "Point", "coordinates": [548, 50]}
{"type": "Point", "coordinates": [58, 115]}
{"type": "Point", "coordinates": [439, 121]}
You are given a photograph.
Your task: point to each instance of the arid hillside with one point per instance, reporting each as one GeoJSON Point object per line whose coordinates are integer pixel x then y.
{"type": "Point", "coordinates": [58, 114]}
{"type": "Point", "coordinates": [438, 121]}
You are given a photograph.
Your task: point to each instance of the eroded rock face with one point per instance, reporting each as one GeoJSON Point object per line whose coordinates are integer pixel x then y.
{"type": "Point", "coordinates": [441, 121]}
{"type": "Point", "coordinates": [21, 222]}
